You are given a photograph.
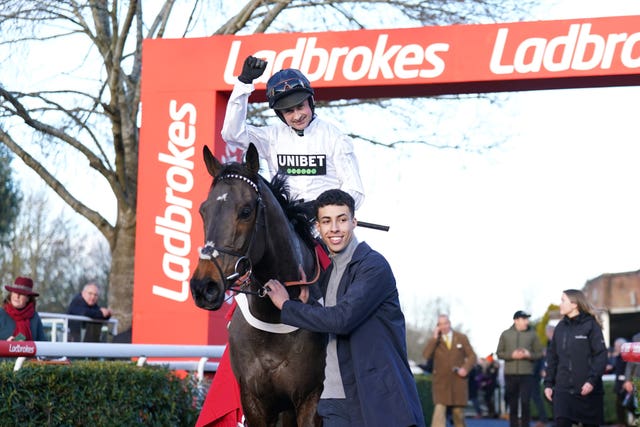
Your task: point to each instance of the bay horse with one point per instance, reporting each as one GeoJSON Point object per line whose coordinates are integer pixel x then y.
{"type": "Point", "coordinates": [254, 231]}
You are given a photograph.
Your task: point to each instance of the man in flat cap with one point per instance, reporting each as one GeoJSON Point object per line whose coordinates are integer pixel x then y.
{"type": "Point", "coordinates": [519, 347]}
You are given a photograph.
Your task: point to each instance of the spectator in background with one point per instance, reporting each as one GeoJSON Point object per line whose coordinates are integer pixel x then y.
{"type": "Point", "coordinates": [453, 358]}
{"type": "Point", "coordinates": [618, 368]}
{"type": "Point", "coordinates": [536, 392]}
{"type": "Point", "coordinates": [548, 331]}
{"type": "Point", "coordinates": [539, 372]}
{"type": "Point", "coordinates": [631, 371]}
{"type": "Point", "coordinates": [474, 385]}
{"type": "Point", "coordinates": [520, 347]}
{"type": "Point", "coordinates": [576, 361]}
{"type": "Point", "coordinates": [86, 304]}
{"type": "Point", "coordinates": [19, 320]}
{"type": "Point", "coordinates": [489, 384]}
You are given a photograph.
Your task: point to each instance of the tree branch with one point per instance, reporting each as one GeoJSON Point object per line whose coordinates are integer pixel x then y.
{"type": "Point", "coordinates": [157, 28]}
{"type": "Point", "coordinates": [94, 217]}
{"type": "Point", "coordinates": [239, 21]}
{"type": "Point", "coordinates": [23, 113]}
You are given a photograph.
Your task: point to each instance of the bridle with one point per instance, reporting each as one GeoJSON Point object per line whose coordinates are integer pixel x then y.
{"type": "Point", "coordinates": [240, 280]}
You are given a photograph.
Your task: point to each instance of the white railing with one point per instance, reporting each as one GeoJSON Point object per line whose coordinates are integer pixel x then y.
{"type": "Point", "coordinates": [26, 349]}
{"type": "Point", "coordinates": [58, 324]}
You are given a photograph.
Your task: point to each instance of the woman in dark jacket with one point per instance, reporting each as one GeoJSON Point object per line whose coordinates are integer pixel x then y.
{"type": "Point", "coordinates": [576, 361]}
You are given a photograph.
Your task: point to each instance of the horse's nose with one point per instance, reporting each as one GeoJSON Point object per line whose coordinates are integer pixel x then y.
{"type": "Point", "coordinates": [206, 293]}
{"type": "Point", "coordinates": [209, 296]}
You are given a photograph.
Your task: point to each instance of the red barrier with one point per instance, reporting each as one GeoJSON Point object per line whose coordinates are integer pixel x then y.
{"type": "Point", "coordinates": [630, 351]}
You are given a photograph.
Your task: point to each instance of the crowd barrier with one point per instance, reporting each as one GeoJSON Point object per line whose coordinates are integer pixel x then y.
{"type": "Point", "coordinates": [56, 325]}
{"type": "Point", "coordinates": [45, 349]}
{"type": "Point", "coordinates": [630, 352]}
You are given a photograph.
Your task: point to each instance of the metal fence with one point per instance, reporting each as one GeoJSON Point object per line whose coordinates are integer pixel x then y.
{"type": "Point", "coordinates": [56, 326]}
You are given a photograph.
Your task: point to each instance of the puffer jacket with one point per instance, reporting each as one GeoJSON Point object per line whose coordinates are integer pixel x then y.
{"type": "Point", "coordinates": [577, 354]}
{"type": "Point", "coordinates": [512, 339]}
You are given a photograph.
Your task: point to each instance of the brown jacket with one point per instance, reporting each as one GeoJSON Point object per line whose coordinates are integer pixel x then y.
{"type": "Point", "coordinates": [448, 387]}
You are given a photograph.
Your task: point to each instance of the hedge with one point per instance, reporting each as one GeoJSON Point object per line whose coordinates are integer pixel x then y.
{"type": "Point", "coordinates": [95, 393]}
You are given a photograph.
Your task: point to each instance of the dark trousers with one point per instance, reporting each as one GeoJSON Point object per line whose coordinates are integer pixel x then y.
{"type": "Point", "coordinates": [489, 400]}
{"type": "Point", "coordinates": [517, 390]}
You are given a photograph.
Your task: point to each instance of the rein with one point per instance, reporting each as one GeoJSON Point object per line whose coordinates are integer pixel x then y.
{"type": "Point", "coordinates": [306, 282]}
{"type": "Point", "coordinates": [242, 276]}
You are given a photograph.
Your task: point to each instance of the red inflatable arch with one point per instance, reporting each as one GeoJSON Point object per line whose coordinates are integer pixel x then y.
{"type": "Point", "coordinates": [186, 84]}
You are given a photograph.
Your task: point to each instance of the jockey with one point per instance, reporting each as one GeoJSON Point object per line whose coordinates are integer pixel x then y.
{"type": "Point", "coordinates": [313, 153]}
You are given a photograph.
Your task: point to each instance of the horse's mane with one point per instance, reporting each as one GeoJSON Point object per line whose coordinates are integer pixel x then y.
{"type": "Point", "coordinates": [279, 186]}
{"type": "Point", "coordinates": [293, 209]}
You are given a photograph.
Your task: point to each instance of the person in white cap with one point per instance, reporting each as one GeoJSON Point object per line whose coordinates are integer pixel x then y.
{"type": "Point", "coordinates": [19, 320]}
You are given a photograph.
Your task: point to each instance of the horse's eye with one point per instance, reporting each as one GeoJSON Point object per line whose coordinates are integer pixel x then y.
{"type": "Point", "coordinates": [245, 212]}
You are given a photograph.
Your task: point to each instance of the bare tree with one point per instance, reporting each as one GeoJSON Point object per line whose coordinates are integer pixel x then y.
{"type": "Point", "coordinates": [88, 117]}
{"type": "Point", "coordinates": [50, 247]}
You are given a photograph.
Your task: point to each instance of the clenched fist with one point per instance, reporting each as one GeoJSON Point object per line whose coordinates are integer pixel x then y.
{"type": "Point", "coordinates": [252, 69]}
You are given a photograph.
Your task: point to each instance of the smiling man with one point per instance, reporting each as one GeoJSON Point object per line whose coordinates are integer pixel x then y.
{"type": "Point", "coordinates": [368, 381]}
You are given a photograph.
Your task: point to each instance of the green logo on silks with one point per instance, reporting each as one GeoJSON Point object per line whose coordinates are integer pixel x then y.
{"type": "Point", "coordinates": [291, 171]}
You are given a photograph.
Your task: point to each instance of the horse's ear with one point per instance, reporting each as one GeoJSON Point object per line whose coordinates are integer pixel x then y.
{"type": "Point", "coordinates": [252, 159]}
{"type": "Point", "coordinates": [213, 165]}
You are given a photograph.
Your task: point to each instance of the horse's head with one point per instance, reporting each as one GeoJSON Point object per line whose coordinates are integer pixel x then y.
{"type": "Point", "coordinates": [229, 214]}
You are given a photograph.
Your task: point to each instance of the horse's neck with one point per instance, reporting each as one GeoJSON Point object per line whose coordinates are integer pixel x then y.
{"type": "Point", "coordinates": [285, 258]}
{"type": "Point", "coordinates": [286, 254]}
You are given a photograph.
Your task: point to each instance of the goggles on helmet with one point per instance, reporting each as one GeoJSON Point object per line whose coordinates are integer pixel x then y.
{"type": "Point", "coordinates": [286, 86]}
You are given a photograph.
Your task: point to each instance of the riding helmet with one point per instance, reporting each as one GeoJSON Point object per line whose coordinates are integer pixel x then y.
{"type": "Point", "coordinates": [288, 88]}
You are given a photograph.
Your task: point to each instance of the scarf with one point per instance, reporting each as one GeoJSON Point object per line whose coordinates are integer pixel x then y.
{"type": "Point", "coordinates": [22, 318]}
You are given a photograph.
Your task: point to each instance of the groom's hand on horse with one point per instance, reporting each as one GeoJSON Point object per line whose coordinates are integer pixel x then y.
{"type": "Point", "coordinates": [277, 293]}
{"type": "Point", "coordinates": [252, 69]}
